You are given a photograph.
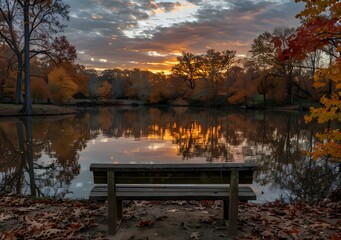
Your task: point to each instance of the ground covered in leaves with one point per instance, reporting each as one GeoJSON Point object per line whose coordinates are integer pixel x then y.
{"type": "Point", "coordinates": [28, 218]}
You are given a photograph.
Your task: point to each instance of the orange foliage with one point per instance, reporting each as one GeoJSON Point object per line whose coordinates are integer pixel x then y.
{"type": "Point", "coordinates": [61, 85]}
{"type": "Point", "coordinates": [104, 90]}
{"type": "Point", "coordinates": [39, 89]}
{"type": "Point", "coordinates": [321, 31]}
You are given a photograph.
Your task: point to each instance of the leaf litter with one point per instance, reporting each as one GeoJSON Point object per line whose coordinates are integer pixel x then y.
{"type": "Point", "coordinates": [31, 218]}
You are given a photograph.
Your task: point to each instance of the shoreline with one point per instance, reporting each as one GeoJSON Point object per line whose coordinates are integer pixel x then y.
{"type": "Point", "coordinates": [13, 110]}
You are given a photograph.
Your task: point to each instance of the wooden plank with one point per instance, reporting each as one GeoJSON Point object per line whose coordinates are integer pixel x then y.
{"type": "Point", "coordinates": [209, 186]}
{"type": "Point", "coordinates": [169, 167]}
{"type": "Point", "coordinates": [207, 177]}
{"type": "Point", "coordinates": [100, 193]}
{"type": "Point", "coordinates": [233, 204]}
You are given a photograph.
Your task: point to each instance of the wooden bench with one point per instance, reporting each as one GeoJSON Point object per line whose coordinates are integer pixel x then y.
{"type": "Point", "coordinates": [208, 181]}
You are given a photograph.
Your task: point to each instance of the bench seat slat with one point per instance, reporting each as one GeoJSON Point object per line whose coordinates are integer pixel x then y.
{"type": "Point", "coordinates": [169, 193]}
{"type": "Point", "coordinates": [172, 167]}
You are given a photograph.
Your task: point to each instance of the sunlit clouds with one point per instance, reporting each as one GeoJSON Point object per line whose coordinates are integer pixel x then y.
{"type": "Point", "coordinates": [150, 34]}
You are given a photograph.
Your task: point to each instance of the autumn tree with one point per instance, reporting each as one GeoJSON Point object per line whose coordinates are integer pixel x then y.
{"type": "Point", "coordinates": [161, 88]}
{"type": "Point", "coordinates": [6, 68]}
{"type": "Point", "coordinates": [187, 68]}
{"type": "Point", "coordinates": [321, 28]}
{"type": "Point", "coordinates": [263, 50]}
{"type": "Point", "coordinates": [117, 79]}
{"type": "Point", "coordinates": [207, 67]}
{"type": "Point", "coordinates": [61, 85]}
{"type": "Point", "coordinates": [63, 51]}
{"type": "Point", "coordinates": [139, 85]}
{"type": "Point", "coordinates": [240, 85]}
{"type": "Point", "coordinates": [104, 91]}
{"type": "Point", "coordinates": [41, 20]}
{"type": "Point", "coordinates": [39, 89]}
{"type": "Point", "coordinates": [211, 68]}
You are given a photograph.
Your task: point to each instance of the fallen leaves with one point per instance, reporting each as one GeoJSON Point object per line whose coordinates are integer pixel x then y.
{"type": "Point", "coordinates": [289, 221]}
{"type": "Point", "coordinates": [195, 235]}
{"type": "Point", "coordinates": [24, 218]}
{"type": "Point", "coordinates": [27, 218]}
{"type": "Point", "coordinates": [173, 210]}
{"type": "Point", "coordinates": [145, 223]}
{"type": "Point", "coordinates": [4, 217]}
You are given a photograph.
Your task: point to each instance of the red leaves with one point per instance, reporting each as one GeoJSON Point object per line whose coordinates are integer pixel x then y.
{"type": "Point", "coordinates": [336, 237]}
{"type": "Point", "coordinates": [145, 223]}
{"type": "Point", "coordinates": [23, 218]}
{"type": "Point", "coordinates": [289, 221]}
{"type": "Point", "coordinates": [277, 42]}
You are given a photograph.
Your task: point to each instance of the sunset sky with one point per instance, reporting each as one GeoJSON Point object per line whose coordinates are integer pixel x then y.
{"type": "Point", "coordinates": [149, 34]}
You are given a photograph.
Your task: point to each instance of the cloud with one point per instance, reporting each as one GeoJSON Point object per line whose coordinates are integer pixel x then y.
{"type": "Point", "coordinates": [99, 28]}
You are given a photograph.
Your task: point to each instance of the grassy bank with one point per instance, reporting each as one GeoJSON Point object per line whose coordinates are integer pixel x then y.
{"type": "Point", "coordinates": [37, 109]}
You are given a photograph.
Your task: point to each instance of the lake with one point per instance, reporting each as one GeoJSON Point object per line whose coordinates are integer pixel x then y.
{"type": "Point", "coordinates": [50, 156]}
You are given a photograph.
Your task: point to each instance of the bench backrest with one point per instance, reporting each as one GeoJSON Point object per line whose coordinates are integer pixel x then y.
{"type": "Point", "coordinates": [206, 173]}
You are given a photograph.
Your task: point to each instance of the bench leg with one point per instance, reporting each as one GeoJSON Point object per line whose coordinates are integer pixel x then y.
{"type": "Point", "coordinates": [119, 210]}
{"type": "Point", "coordinates": [233, 203]}
{"type": "Point", "coordinates": [226, 209]}
{"type": "Point", "coordinates": [112, 204]}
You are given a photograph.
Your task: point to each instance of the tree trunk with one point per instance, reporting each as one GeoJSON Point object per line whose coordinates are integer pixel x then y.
{"type": "Point", "coordinates": [18, 90]}
{"type": "Point", "coordinates": [27, 107]}
{"type": "Point", "coordinates": [290, 86]}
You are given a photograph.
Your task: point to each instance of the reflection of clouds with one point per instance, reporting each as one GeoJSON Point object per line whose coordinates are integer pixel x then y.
{"type": "Point", "coordinates": [104, 140]}
{"type": "Point", "coordinates": [156, 146]}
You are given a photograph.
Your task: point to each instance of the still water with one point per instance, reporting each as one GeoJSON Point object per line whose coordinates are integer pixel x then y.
{"type": "Point", "coordinates": [50, 156]}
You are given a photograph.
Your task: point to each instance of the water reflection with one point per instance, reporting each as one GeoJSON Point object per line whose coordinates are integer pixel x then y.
{"type": "Point", "coordinates": [40, 156]}
{"type": "Point", "coordinates": [50, 156]}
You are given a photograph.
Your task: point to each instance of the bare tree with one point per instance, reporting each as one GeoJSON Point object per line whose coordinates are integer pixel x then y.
{"type": "Point", "coordinates": [41, 19]}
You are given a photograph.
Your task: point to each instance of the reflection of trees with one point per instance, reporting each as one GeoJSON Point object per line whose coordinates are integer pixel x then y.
{"type": "Point", "coordinates": [41, 156]}
{"type": "Point", "coordinates": [285, 165]}
{"type": "Point", "coordinates": [275, 141]}
{"type": "Point", "coordinates": [311, 180]}
{"type": "Point", "coordinates": [25, 145]}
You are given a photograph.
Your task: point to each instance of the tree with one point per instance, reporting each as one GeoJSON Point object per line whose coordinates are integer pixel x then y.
{"type": "Point", "coordinates": [322, 29]}
{"type": "Point", "coordinates": [161, 88]}
{"type": "Point", "coordinates": [104, 90]}
{"type": "Point", "coordinates": [41, 20]}
{"type": "Point", "coordinates": [207, 67]}
{"type": "Point", "coordinates": [63, 51]}
{"type": "Point", "coordinates": [11, 34]}
{"type": "Point", "coordinates": [61, 85]}
{"type": "Point", "coordinates": [264, 51]}
{"type": "Point", "coordinates": [27, 107]}
{"type": "Point", "coordinates": [139, 84]}
{"type": "Point", "coordinates": [212, 64]}
{"type": "Point", "coordinates": [39, 89]}
{"type": "Point", "coordinates": [187, 68]}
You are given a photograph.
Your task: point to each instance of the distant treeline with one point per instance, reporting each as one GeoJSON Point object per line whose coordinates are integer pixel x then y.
{"type": "Point", "coordinates": [216, 78]}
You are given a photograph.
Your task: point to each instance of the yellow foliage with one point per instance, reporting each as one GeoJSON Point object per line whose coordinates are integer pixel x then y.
{"type": "Point", "coordinates": [316, 7]}
{"type": "Point", "coordinates": [61, 85]}
{"type": "Point", "coordinates": [329, 149]}
{"type": "Point", "coordinates": [330, 141]}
